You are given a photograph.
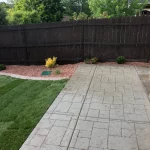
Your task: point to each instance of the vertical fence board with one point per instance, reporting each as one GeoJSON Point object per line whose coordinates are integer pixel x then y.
{"type": "Point", "coordinates": [74, 41]}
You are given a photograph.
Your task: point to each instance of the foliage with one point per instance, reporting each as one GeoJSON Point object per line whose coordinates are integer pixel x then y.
{"type": "Point", "coordinates": [92, 60]}
{"type": "Point", "coordinates": [48, 10]}
{"type": "Point", "coordinates": [121, 60]}
{"type": "Point", "coordinates": [115, 8]}
{"type": "Point", "coordinates": [72, 6]}
{"type": "Point", "coordinates": [51, 62]}
{"type": "Point", "coordinates": [80, 16]}
{"type": "Point", "coordinates": [52, 11]}
{"type": "Point", "coordinates": [22, 104]}
{"type": "Point", "coordinates": [6, 5]}
{"type": "Point", "coordinates": [22, 17]}
{"type": "Point", "coordinates": [57, 72]}
{"type": "Point", "coordinates": [11, 1]}
{"type": "Point", "coordinates": [3, 15]}
{"type": "Point", "coordinates": [2, 67]}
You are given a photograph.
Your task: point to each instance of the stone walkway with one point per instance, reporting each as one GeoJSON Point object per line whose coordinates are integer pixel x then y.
{"type": "Point", "coordinates": [102, 107]}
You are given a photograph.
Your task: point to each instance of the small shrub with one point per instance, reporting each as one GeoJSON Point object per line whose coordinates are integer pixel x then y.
{"type": "Point", "coordinates": [51, 62]}
{"type": "Point", "coordinates": [87, 61]}
{"type": "Point", "coordinates": [92, 60]}
{"type": "Point", "coordinates": [57, 72]}
{"type": "Point", "coordinates": [2, 67]}
{"type": "Point", "coordinates": [121, 60]}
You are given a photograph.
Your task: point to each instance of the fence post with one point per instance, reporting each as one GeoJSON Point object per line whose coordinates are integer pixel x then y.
{"type": "Point", "coordinates": [148, 56]}
{"type": "Point", "coordinates": [25, 45]}
{"type": "Point", "coordinates": [82, 44]}
{"type": "Point", "coordinates": [148, 32]}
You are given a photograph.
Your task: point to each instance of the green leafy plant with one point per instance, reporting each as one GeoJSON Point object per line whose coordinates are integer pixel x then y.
{"type": "Point", "coordinates": [2, 67]}
{"type": "Point", "coordinates": [87, 61]}
{"type": "Point", "coordinates": [22, 17]}
{"type": "Point", "coordinates": [92, 60]}
{"type": "Point", "coordinates": [80, 16]}
{"type": "Point", "coordinates": [3, 14]}
{"type": "Point", "coordinates": [57, 72]}
{"type": "Point", "coordinates": [47, 10]}
{"type": "Point", "coordinates": [121, 60]}
{"type": "Point", "coordinates": [116, 8]}
{"type": "Point", "coordinates": [72, 6]}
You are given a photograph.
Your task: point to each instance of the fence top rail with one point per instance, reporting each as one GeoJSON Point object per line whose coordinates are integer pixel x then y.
{"type": "Point", "coordinates": [125, 21]}
{"type": "Point", "coordinates": [84, 24]}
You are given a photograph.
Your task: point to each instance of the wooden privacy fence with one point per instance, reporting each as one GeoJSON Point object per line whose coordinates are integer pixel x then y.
{"type": "Point", "coordinates": [73, 41]}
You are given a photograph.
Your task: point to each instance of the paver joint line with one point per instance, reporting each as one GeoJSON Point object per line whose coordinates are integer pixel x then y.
{"type": "Point", "coordinates": [108, 109]}
{"type": "Point", "coordinates": [81, 108]}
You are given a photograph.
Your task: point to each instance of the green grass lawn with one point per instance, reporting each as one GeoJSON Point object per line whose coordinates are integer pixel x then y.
{"type": "Point", "coordinates": [22, 104]}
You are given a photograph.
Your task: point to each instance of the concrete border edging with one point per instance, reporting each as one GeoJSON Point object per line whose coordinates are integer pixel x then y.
{"type": "Point", "coordinates": [32, 78]}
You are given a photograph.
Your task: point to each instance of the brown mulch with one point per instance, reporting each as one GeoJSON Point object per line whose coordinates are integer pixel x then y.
{"type": "Point", "coordinates": [66, 70]}
{"type": "Point", "coordinates": [35, 71]}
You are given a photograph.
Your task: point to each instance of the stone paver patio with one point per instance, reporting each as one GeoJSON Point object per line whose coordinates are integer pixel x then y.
{"type": "Point", "coordinates": [102, 107]}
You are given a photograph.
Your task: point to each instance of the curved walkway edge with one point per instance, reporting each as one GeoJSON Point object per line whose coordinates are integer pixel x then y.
{"type": "Point", "coordinates": [32, 78]}
{"type": "Point", "coordinates": [102, 107]}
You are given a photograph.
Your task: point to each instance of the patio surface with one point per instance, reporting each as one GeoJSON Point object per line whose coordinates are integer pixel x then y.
{"type": "Point", "coordinates": [102, 107]}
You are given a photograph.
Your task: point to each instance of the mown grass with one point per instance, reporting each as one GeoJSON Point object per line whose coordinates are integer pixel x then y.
{"type": "Point", "coordinates": [22, 104]}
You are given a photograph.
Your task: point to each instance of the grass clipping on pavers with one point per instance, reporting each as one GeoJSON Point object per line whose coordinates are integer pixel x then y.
{"type": "Point", "coordinates": [22, 104]}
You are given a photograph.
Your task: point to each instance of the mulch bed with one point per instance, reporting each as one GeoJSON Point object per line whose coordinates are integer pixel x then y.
{"type": "Point", "coordinates": [66, 70]}
{"type": "Point", "coordinates": [35, 71]}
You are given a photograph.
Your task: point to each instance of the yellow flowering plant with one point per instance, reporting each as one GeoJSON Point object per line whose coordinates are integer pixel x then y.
{"type": "Point", "coordinates": [51, 62]}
